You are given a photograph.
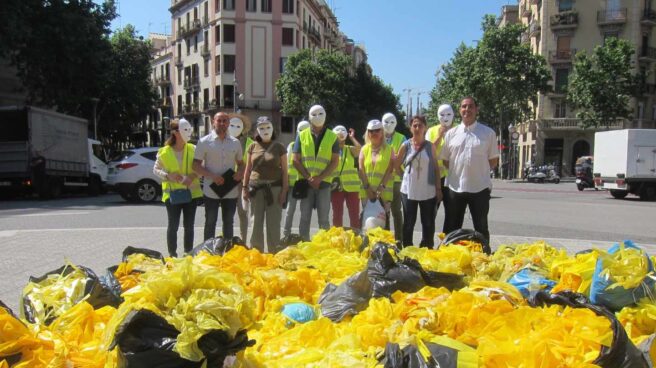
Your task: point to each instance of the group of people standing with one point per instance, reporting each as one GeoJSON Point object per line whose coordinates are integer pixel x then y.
{"type": "Point", "coordinates": [391, 174]}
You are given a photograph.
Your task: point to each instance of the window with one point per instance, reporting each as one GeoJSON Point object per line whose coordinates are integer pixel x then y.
{"type": "Point", "coordinates": [206, 67]}
{"type": "Point", "coordinates": [195, 43]}
{"type": "Point", "coordinates": [562, 76]}
{"type": "Point", "coordinates": [179, 78]}
{"type": "Point", "coordinates": [287, 124]}
{"type": "Point", "coordinates": [217, 94]}
{"type": "Point", "coordinates": [564, 5]}
{"type": "Point", "coordinates": [228, 63]}
{"type": "Point", "coordinates": [179, 104]}
{"type": "Point", "coordinates": [152, 156]}
{"type": "Point", "coordinates": [560, 109]}
{"type": "Point", "coordinates": [641, 110]}
{"type": "Point", "coordinates": [217, 34]}
{"type": "Point", "coordinates": [283, 61]}
{"type": "Point", "coordinates": [228, 4]}
{"type": "Point", "coordinates": [287, 36]}
{"type": "Point", "coordinates": [217, 61]}
{"type": "Point", "coordinates": [217, 5]}
{"type": "Point", "coordinates": [206, 98]}
{"type": "Point", "coordinates": [228, 92]}
{"type": "Point", "coordinates": [266, 6]}
{"type": "Point", "coordinates": [251, 5]}
{"type": "Point", "coordinates": [188, 41]}
{"type": "Point", "coordinates": [609, 35]}
{"type": "Point", "coordinates": [229, 33]}
{"type": "Point", "coordinates": [288, 6]}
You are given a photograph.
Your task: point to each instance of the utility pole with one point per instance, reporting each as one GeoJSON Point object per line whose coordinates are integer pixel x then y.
{"type": "Point", "coordinates": [418, 103]}
{"type": "Point", "coordinates": [408, 105]}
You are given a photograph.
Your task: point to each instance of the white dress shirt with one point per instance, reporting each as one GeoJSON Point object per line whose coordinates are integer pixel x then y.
{"type": "Point", "coordinates": [218, 156]}
{"type": "Point", "coordinates": [469, 150]}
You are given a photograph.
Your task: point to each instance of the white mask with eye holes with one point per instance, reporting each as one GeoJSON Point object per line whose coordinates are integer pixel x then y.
{"type": "Point", "coordinates": [341, 132]}
{"type": "Point", "coordinates": [317, 116]}
{"type": "Point", "coordinates": [236, 127]}
{"type": "Point", "coordinates": [445, 113]}
{"type": "Point", "coordinates": [389, 123]}
{"type": "Point", "coordinates": [265, 131]}
{"type": "Point", "coordinates": [185, 129]}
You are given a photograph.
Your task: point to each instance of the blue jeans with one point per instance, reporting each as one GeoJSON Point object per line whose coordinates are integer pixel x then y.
{"type": "Point", "coordinates": [428, 210]}
{"type": "Point", "coordinates": [228, 208]}
{"type": "Point", "coordinates": [173, 211]}
{"type": "Point", "coordinates": [319, 199]}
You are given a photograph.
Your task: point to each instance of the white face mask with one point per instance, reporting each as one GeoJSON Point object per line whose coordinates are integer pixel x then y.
{"type": "Point", "coordinates": [185, 130]}
{"type": "Point", "coordinates": [389, 123]}
{"type": "Point", "coordinates": [236, 127]}
{"type": "Point", "coordinates": [317, 116]}
{"type": "Point", "coordinates": [265, 131]}
{"type": "Point", "coordinates": [302, 125]}
{"type": "Point", "coordinates": [341, 132]}
{"type": "Point", "coordinates": [445, 113]}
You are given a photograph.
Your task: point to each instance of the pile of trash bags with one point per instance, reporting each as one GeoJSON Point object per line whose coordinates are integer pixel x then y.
{"type": "Point", "coordinates": [344, 299]}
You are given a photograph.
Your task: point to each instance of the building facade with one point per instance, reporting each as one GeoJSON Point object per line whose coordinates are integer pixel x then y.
{"type": "Point", "coordinates": [558, 29]}
{"type": "Point", "coordinates": [226, 55]}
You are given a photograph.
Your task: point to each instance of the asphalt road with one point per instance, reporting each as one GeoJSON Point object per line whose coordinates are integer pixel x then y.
{"type": "Point", "coordinates": [37, 236]}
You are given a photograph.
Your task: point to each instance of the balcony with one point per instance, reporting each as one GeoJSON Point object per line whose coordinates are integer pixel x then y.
{"type": "Point", "coordinates": [191, 109]}
{"type": "Point", "coordinates": [562, 56]}
{"type": "Point", "coordinates": [177, 4]}
{"type": "Point", "coordinates": [534, 29]}
{"type": "Point", "coordinates": [206, 21]}
{"type": "Point", "coordinates": [211, 106]}
{"type": "Point", "coordinates": [205, 51]}
{"type": "Point", "coordinates": [564, 20]}
{"type": "Point", "coordinates": [533, 2]}
{"type": "Point", "coordinates": [575, 124]}
{"type": "Point", "coordinates": [526, 12]}
{"type": "Point", "coordinates": [163, 80]}
{"type": "Point", "coordinates": [611, 17]}
{"type": "Point", "coordinates": [189, 29]}
{"type": "Point", "coordinates": [647, 54]}
{"type": "Point", "coordinates": [313, 33]}
{"type": "Point", "coordinates": [524, 37]}
{"type": "Point", "coordinates": [648, 17]}
{"type": "Point", "coordinates": [164, 103]}
{"type": "Point", "coordinates": [191, 83]}
{"type": "Point", "coordinates": [178, 61]}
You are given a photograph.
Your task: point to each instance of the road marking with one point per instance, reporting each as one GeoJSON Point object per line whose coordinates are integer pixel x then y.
{"type": "Point", "coordinates": [56, 213]}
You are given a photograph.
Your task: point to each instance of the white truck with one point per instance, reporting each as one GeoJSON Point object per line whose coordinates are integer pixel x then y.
{"type": "Point", "coordinates": [625, 162]}
{"type": "Point", "coordinates": [46, 152]}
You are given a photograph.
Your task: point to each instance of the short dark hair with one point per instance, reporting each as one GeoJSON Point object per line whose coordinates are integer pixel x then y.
{"type": "Point", "coordinates": [421, 118]}
{"type": "Point", "coordinates": [469, 98]}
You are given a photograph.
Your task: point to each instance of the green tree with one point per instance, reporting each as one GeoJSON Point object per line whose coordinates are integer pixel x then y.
{"type": "Point", "coordinates": [501, 72]}
{"type": "Point", "coordinates": [601, 84]}
{"type": "Point", "coordinates": [128, 94]}
{"type": "Point", "coordinates": [60, 50]}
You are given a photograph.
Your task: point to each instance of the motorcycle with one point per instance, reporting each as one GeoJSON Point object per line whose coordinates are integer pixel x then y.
{"type": "Point", "coordinates": [583, 170]}
{"type": "Point", "coordinates": [542, 174]}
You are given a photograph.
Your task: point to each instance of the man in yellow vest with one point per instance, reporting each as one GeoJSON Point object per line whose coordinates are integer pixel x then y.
{"type": "Point", "coordinates": [239, 128]}
{"type": "Point", "coordinates": [436, 135]}
{"type": "Point", "coordinates": [316, 155]}
{"type": "Point", "coordinates": [395, 139]}
{"type": "Point", "coordinates": [293, 175]}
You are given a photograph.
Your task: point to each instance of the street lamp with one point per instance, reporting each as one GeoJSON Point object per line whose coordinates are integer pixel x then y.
{"type": "Point", "coordinates": [511, 138]}
{"type": "Point", "coordinates": [95, 101]}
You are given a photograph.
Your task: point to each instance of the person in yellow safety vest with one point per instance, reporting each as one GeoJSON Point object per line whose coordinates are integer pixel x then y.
{"type": "Point", "coordinates": [293, 176]}
{"type": "Point", "coordinates": [395, 139]}
{"type": "Point", "coordinates": [174, 165]}
{"type": "Point", "coordinates": [435, 134]}
{"type": "Point", "coordinates": [346, 184]}
{"type": "Point", "coordinates": [240, 127]}
{"type": "Point", "coordinates": [376, 168]}
{"type": "Point", "coordinates": [316, 155]}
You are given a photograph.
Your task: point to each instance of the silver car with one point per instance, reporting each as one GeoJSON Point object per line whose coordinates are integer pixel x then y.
{"type": "Point", "coordinates": [131, 175]}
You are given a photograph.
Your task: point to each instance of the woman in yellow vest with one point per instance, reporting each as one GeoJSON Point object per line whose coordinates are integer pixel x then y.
{"type": "Point", "coordinates": [346, 184]}
{"type": "Point", "coordinates": [180, 184]}
{"type": "Point", "coordinates": [376, 168]}
{"type": "Point", "coordinates": [239, 128]}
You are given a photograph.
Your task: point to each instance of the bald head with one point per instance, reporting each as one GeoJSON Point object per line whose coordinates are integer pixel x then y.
{"type": "Point", "coordinates": [220, 124]}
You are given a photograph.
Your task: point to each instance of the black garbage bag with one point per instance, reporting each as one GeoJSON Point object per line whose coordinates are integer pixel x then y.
{"type": "Point", "coordinates": [112, 283]}
{"type": "Point", "coordinates": [410, 357]}
{"type": "Point", "coordinates": [347, 299]}
{"type": "Point", "coordinates": [147, 252]}
{"type": "Point", "coordinates": [622, 353]}
{"type": "Point", "coordinates": [97, 293]}
{"type": "Point", "coordinates": [217, 345]}
{"type": "Point", "coordinates": [388, 274]}
{"type": "Point", "coordinates": [216, 246]}
{"type": "Point", "coordinates": [289, 240]}
{"type": "Point", "coordinates": [466, 234]}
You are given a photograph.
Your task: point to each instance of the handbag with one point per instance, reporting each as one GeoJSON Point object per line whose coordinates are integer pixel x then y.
{"type": "Point", "coordinates": [181, 196]}
{"type": "Point", "coordinates": [336, 184]}
{"type": "Point", "coordinates": [300, 190]}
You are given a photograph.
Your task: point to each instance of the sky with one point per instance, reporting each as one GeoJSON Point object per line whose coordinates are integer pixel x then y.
{"type": "Point", "coordinates": [406, 40]}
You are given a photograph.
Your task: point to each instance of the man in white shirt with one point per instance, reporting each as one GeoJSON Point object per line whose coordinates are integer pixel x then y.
{"type": "Point", "coordinates": [470, 151]}
{"type": "Point", "coordinates": [217, 153]}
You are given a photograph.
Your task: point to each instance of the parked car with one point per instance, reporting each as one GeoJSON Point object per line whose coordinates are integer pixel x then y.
{"type": "Point", "coordinates": [131, 175]}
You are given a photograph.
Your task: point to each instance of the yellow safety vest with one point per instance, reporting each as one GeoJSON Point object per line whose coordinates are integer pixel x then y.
{"type": "Point", "coordinates": [397, 141]}
{"type": "Point", "coordinates": [249, 141]}
{"type": "Point", "coordinates": [376, 172]}
{"type": "Point", "coordinates": [315, 165]}
{"type": "Point", "coordinates": [168, 159]}
{"type": "Point", "coordinates": [433, 132]}
{"type": "Point", "coordinates": [348, 175]}
{"type": "Point", "coordinates": [292, 173]}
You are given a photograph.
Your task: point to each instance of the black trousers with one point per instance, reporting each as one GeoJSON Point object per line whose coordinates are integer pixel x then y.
{"type": "Point", "coordinates": [445, 202]}
{"type": "Point", "coordinates": [427, 210]}
{"type": "Point", "coordinates": [479, 206]}
{"type": "Point", "coordinates": [188, 210]}
{"type": "Point", "coordinates": [228, 209]}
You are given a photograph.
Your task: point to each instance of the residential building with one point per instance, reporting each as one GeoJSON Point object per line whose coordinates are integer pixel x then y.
{"type": "Point", "coordinates": [558, 30]}
{"type": "Point", "coordinates": [226, 55]}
